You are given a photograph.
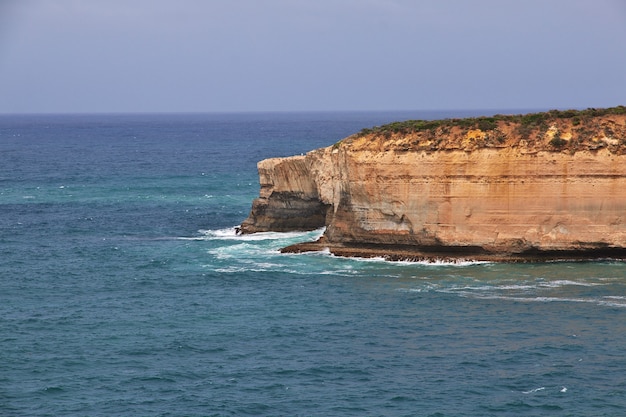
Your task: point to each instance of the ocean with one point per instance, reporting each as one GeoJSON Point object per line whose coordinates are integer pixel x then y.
{"type": "Point", "coordinates": [124, 290]}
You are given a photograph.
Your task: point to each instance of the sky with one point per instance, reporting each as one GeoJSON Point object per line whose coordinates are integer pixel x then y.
{"type": "Point", "coordinates": [119, 56]}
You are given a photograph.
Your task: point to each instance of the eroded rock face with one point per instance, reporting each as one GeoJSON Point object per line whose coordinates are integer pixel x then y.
{"type": "Point", "coordinates": [388, 195]}
{"type": "Point", "coordinates": [288, 199]}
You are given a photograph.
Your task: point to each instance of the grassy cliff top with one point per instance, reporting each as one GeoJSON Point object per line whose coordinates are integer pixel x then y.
{"type": "Point", "coordinates": [554, 130]}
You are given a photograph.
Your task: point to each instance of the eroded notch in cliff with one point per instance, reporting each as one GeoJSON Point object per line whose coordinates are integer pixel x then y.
{"type": "Point", "coordinates": [285, 211]}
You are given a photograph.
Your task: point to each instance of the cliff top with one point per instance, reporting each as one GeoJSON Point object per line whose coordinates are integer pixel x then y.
{"type": "Point", "coordinates": [555, 130]}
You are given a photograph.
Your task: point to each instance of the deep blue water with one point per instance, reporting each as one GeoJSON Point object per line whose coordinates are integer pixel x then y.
{"type": "Point", "coordinates": [124, 291]}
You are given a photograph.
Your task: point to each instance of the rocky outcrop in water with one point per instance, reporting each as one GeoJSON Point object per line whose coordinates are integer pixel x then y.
{"type": "Point", "coordinates": [532, 187]}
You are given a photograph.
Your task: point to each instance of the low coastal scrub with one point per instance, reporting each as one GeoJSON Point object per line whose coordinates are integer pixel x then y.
{"type": "Point", "coordinates": [555, 130]}
{"type": "Point", "coordinates": [531, 120]}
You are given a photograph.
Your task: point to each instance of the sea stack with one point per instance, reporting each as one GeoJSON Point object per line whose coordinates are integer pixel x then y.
{"type": "Point", "coordinates": [541, 186]}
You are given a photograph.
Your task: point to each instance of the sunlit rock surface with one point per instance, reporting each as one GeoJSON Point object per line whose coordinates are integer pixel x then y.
{"type": "Point", "coordinates": [552, 188]}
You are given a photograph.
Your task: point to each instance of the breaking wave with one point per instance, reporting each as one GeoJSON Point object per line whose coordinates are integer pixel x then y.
{"type": "Point", "coordinates": [227, 252]}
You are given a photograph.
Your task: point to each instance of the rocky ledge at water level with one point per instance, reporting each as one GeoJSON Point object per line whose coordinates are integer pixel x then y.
{"type": "Point", "coordinates": [540, 186]}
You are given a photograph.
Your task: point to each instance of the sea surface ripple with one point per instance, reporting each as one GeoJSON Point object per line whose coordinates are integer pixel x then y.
{"type": "Point", "coordinates": [124, 290]}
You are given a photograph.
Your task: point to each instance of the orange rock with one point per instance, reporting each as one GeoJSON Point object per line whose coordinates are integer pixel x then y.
{"type": "Point", "coordinates": [524, 199]}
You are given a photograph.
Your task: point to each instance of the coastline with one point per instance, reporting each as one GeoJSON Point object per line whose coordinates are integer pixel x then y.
{"type": "Point", "coordinates": [405, 253]}
{"type": "Point", "coordinates": [508, 188]}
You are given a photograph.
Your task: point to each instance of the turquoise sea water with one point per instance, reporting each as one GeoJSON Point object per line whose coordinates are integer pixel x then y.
{"type": "Point", "coordinates": [125, 291]}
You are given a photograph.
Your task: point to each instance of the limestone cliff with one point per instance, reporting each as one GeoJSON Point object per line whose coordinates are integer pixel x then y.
{"type": "Point", "coordinates": [540, 186]}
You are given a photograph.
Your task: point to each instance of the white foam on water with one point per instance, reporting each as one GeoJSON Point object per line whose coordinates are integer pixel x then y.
{"type": "Point", "coordinates": [496, 287]}
{"type": "Point", "coordinates": [532, 391]}
{"type": "Point", "coordinates": [520, 288]}
{"type": "Point", "coordinates": [340, 272]}
{"type": "Point", "coordinates": [229, 269]}
{"type": "Point", "coordinates": [562, 389]}
{"type": "Point", "coordinates": [260, 252]}
{"type": "Point", "coordinates": [245, 252]}
{"type": "Point", "coordinates": [267, 266]}
{"type": "Point", "coordinates": [531, 299]}
{"type": "Point", "coordinates": [566, 282]}
{"type": "Point", "coordinates": [428, 287]}
{"type": "Point", "coordinates": [231, 234]}
{"type": "Point", "coordinates": [287, 238]}
{"type": "Point", "coordinates": [596, 301]}
{"type": "Point", "coordinates": [619, 304]}
{"type": "Point", "coordinates": [422, 289]}
{"type": "Point", "coordinates": [614, 301]}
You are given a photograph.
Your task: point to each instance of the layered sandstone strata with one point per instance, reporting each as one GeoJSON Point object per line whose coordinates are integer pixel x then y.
{"type": "Point", "coordinates": [513, 190]}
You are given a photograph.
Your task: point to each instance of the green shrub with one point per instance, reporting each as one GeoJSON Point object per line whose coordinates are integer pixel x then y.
{"type": "Point", "coordinates": [487, 123]}
{"type": "Point", "coordinates": [528, 122]}
{"type": "Point", "coordinates": [557, 142]}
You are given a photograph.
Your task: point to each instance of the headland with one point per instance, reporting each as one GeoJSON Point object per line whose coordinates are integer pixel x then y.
{"type": "Point", "coordinates": [533, 187]}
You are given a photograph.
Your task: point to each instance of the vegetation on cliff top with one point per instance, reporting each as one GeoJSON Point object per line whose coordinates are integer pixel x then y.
{"type": "Point", "coordinates": [554, 129]}
{"type": "Point", "coordinates": [489, 123]}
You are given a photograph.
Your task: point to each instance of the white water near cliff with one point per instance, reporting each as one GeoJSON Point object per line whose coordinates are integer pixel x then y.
{"type": "Point", "coordinates": [260, 252]}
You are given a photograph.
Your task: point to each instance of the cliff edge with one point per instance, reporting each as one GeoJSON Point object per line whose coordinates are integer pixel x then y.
{"type": "Point", "coordinates": [504, 188]}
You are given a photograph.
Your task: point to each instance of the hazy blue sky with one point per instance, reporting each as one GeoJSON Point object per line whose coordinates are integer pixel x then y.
{"type": "Point", "coordinates": [294, 55]}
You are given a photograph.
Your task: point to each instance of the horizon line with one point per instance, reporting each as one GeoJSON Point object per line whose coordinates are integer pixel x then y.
{"type": "Point", "coordinates": [252, 112]}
